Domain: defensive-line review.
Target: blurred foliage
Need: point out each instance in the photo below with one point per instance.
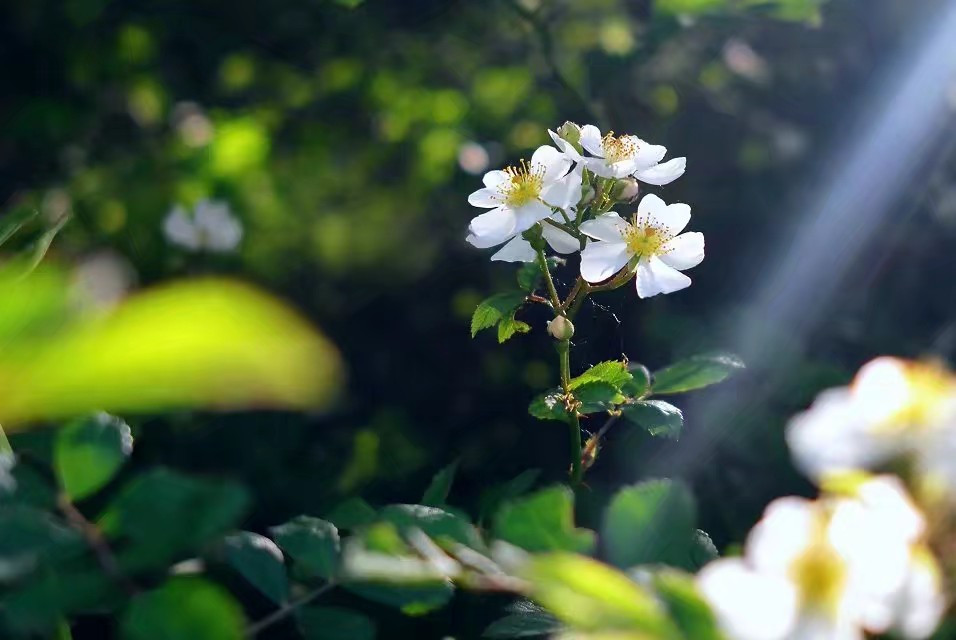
(346, 135)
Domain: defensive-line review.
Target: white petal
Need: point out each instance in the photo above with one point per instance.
(622, 168)
(566, 147)
(920, 603)
(226, 237)
(591, 139)
(485, 198)
(672, 218)
(600, 167)
(493, 179)
(491, 228)
(786, 529)
(555, 163)
(647, 154)
(748, 605)
(653, 277)
(559, 240)
(527, 215)
(662, 174)
(601, 260)
(609, 227)
(684, 251)
(179, 229)
(517, 250)
(564, 193)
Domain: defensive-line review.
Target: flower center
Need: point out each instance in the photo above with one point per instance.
(619, 148)
(644, 240)
(926, 402)
(820, 575)
(524, 184)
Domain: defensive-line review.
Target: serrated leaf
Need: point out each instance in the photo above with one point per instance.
(311, 542)
(183, 608)
(596, 397)
(657, 417)
(437, 492)
(591, 596)
(260, 561)
(88, 452)
(611, 372)
(543, 521)
(509, 326)
(549, 406)
(639, 384)
(493, 310)
(650, 522)
(335, 623)
(695, 372)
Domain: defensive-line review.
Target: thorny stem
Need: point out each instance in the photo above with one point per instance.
(95, 540)
(286, 610)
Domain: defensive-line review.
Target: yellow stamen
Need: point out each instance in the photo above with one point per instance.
(524, 184)
(618, 149)
(819, 572)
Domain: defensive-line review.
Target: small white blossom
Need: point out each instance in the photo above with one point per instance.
(212, 227)
(892, 409)
(652, 245)
(520, 197)
(621, 156)
(828, 570)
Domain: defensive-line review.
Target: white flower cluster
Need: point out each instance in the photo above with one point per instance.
(212, 227)
(563, 196)
(856, 560)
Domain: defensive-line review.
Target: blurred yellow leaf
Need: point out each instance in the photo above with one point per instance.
(202, 343)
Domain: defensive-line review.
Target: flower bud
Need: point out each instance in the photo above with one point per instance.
(626, 190)
(561, 328)
(570, 132)
(587, 195)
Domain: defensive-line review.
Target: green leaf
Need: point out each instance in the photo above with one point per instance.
(686, 607)
(640, 383)
(529, 276)
(352, 513)
(596, 397)
(612, 372)
(183, 608)
(543, 521)
(88, 452)
(702, 550)
(148, 509)
(208, 343)
(519, 485)
(311, 542)
(657, 417)
(493, 310)
(412, 600)
(526, 620)
(591, 596)
(15, 220)
(695, 372)
(260, 562)
(440, 525)
(29, 535)
(335, 623)
(549, 406)
(437, 492)
(509, 326)
(650, 522)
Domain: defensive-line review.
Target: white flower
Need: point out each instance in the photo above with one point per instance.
(650, 245)
(212, 227)
(828, 570)
(520, 197)
(621, 156)
(892, 409)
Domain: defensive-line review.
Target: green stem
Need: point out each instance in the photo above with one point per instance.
(287, 610)
(567, 229)
(574, 427)
(546, 272)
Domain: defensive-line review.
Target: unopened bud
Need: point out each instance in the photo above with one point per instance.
(561, 328)
(626, 190)
(587, 195)
(570, 132)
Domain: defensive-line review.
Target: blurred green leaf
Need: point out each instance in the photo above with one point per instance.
(335, 623)
(543, 521)
(676, 590)
(526, 620)
(695, 372)
(639, 384)
(201, 343)
(702, 550)
(437, 492)
(351, 514)
(143, 512)
(591, 596)
(650, 522)
(493, 310)
(657, 417)
(412, 600)
(260, 562)
(183, 608)
(88, 452)
(29, 535)
(15, 220)
(497, 494)
(529, 276)
(311, 542)
(438, 524)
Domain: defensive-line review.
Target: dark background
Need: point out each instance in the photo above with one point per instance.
(334, 134)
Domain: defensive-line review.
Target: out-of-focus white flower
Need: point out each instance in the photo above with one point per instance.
(893, 408)
(473, 158)
(522, 196)
(621, 156)
(650, 245)
(828, 570)
(212, 227)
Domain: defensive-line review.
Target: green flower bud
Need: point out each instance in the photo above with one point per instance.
(533, 236)
(587, 195)
(571, 132)
(561, 328)
(626, 190)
